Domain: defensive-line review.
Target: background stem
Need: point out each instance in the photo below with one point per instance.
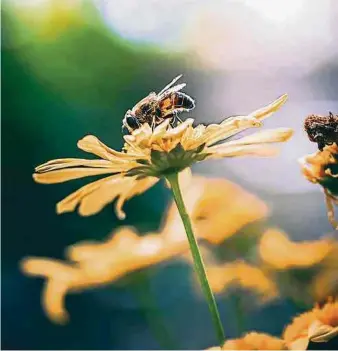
(198, 261)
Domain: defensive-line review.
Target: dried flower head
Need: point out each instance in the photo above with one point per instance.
(317, 325)
(253, 341)
(322, 130)
(279, 251)
(151, 154)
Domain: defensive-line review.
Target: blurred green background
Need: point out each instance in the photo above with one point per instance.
(71, 68)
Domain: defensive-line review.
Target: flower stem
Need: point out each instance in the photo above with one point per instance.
(198, 261)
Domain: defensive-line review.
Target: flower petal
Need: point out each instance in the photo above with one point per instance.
(262, 137)
(234, 125)
(64, 175)
(71, 162)
(236, 151)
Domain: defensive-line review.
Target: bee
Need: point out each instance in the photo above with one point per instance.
(155, 108)
(322, 130)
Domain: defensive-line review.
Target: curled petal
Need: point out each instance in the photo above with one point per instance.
(268, 110)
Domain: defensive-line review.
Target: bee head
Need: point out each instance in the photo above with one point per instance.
(130, 122)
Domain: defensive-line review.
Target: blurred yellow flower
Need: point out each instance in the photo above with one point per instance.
(151, 154)
(321, 168)
(317, 325)
(218, 209)
(93, 264)
(253, 341)
(243, 275)
(277, 250)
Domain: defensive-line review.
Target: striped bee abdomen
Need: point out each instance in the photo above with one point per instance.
(184, 101)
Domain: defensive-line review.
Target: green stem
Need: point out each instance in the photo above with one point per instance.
(198, 261)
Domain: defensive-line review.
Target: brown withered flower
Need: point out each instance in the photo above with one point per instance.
(321, 167)
(317, 325)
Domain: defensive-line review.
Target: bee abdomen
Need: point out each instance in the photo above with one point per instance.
(183, 101)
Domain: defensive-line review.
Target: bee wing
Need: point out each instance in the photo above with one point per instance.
(172, 90)
(170, 84)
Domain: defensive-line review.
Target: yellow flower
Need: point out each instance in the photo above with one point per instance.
(278, 251)
(94, 264)
(218, 209)
(318, 325)
(243, 275)
(321, 168)
(151, 154)
(253, 341)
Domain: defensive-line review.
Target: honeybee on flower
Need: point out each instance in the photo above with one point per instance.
(155, 108)
(150, 154)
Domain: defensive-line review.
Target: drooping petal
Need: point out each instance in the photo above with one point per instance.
(93, 197)
(64, 175)
(69, 203)
(59, 279)
(135, 188)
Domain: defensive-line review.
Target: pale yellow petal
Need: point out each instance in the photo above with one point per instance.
(64, 175)
(92, 144)
(229, 127)
(71, 162)
(234, 125)
(242, 150)
(262, 137)
(69, 203)
(268, 110)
